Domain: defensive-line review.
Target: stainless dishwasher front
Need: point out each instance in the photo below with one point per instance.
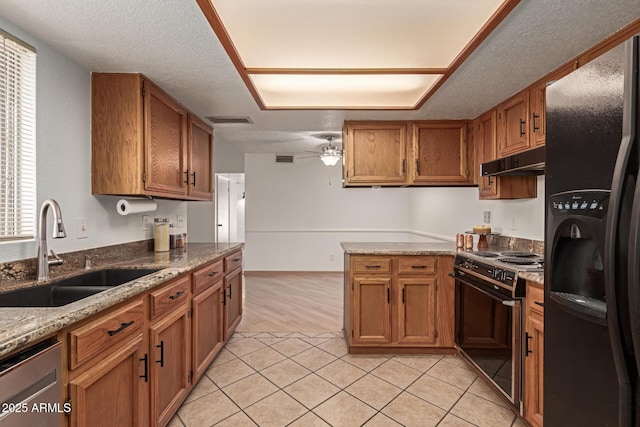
(31, 387)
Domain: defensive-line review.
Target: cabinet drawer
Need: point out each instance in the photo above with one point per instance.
(103, 333)
(207, 276)
(417, 265)
(170, 296)
(535, 297)
(371, 264)
(233, 261)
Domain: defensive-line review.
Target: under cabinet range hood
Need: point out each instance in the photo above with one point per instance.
(530, 162)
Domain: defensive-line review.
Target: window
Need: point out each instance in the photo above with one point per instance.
(17, 139)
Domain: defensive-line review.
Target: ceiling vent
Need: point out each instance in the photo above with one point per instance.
(285, 158)
(230, 120)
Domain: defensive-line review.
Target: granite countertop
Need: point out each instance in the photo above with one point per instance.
(398, 248)
(533, 277)
(20, 326)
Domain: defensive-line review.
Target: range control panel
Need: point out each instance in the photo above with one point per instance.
(592, 203)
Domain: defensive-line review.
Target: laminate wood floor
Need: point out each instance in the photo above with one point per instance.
(292, 302)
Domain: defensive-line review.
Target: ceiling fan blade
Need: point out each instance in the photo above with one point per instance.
(309, 151)
(307, 157)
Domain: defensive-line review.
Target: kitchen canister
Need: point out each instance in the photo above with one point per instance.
(460, 241)
(161, 234)
(468, 242)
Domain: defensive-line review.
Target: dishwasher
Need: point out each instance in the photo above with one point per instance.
(31, 387)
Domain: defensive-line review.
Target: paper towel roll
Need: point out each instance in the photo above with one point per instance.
(126, 207)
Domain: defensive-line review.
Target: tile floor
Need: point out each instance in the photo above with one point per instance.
(308, 379)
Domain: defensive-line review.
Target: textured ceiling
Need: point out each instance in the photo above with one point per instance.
(171, 42)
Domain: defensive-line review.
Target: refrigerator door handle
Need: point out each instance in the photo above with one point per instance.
(620, 175)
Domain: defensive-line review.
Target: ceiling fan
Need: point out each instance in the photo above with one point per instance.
(330, 154)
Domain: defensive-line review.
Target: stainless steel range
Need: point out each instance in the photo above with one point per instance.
(489, 315)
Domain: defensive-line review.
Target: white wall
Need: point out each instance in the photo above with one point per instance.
(63, 159)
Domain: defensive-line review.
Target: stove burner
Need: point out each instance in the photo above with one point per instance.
(519, 261)
(486, 254)
(519, 254)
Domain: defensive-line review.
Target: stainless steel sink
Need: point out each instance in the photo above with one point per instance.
(65, 291)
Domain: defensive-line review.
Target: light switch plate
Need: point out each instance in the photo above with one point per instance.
(146, 223)
(82, 228)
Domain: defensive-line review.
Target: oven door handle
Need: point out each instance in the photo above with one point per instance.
(509, 303)
(503, 299)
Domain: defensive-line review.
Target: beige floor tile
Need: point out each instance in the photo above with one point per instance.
(435, 391)
(480, 389)
(452, 421)
(518, 423)
(314, 358)
(309, 420)
(452, 374)
(230, 372)
(396, 373)
(456, 360)
(270, 341)
(311, 390)
(344, 410)
(310, 334)
(249, 390)
(297, 335)
(245, 334)
(410, 411)
(330, 335)
(335, 346)
(481, 412)
(315, 341)
(207, 410)
(381, 420)
(277, 410)
(244, 346)
(223, 357)
(280, 334)
(373, 391)
(291, 346)
(340, 373)
(284, 373)
(238, 420)
(421, 363)
(261, 335)
(175, 422)
(203, 387)
(364, 362)
(262, 358)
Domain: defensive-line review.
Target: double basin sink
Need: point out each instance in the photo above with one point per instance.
(66, 291)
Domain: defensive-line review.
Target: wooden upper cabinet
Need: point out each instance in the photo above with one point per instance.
(513, 125)
(485, 139)
(440, 153)
(537, 115)
(143, 141)
(375, 153)
(200, 158)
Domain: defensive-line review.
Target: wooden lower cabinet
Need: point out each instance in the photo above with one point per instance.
(207, 329)
(534, 357)
(114, 391)
(232, 302)
(411, 306)
(170, 364)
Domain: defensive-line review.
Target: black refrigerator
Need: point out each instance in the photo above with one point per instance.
(592, 244)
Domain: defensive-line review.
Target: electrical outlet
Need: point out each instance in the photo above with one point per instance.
(146, 223)
(82, 229)
(332, 257)
(513, 224)
(487, 217)
(180, 221)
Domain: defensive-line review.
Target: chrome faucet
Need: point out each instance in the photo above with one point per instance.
(58, 232)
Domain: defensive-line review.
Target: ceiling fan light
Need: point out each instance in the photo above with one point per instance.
(329, 159)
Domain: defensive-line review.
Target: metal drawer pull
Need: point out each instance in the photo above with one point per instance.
(526, 344)
(229, 291)
(236, 259)
(194, 178)
(122, 327)
(177, 295)
(186, 177)
(213, 274)
(419, 266)
(224, 296)
(388, 295)
(372, 266)
(403, 295)
(539, 303)
(522, 131)
(161, 347)
(145, 359)
(534, 116)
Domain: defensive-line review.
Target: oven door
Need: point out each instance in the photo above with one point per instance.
(488, 328)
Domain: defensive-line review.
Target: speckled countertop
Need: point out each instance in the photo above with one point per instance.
(420, 248)
(408, 248)
(21, 326)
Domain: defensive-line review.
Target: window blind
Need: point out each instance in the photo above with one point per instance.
(17, 139)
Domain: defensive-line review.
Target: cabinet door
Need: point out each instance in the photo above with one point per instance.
(232, 302)
(375, 153)
(164, 143)
(417, 311)
(487, 324)
(170, 364)
(371, 308)
(537, 116)
(207, 328)
(200, 159)
(114, 392)
(513, 127)
(440, 153)
(485, 134)
(533, 370)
